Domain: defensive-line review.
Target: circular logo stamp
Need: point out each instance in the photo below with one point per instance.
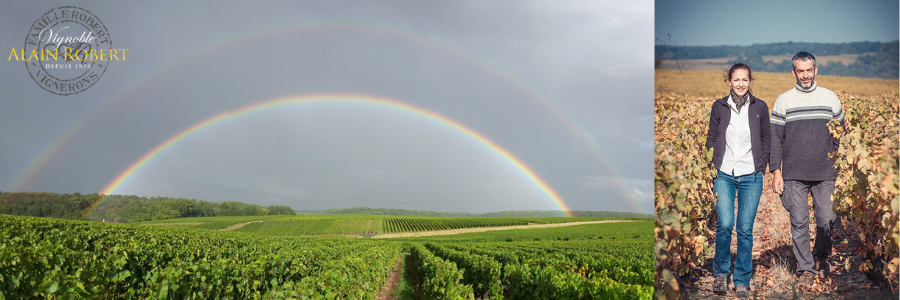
(67, 50)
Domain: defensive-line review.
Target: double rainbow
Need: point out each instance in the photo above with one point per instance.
(339, 98)
(42, 159)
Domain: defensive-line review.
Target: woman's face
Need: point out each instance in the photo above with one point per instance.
(740, 81)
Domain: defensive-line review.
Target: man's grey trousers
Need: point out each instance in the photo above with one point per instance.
(794, 198)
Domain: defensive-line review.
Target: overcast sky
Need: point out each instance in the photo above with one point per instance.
(715, 23)
(566, 87)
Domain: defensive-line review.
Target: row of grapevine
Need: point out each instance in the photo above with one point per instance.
(293, 226)
(393, 225)
(481, 272)
(290, 227)
(631, 265)
(212, 223)
(609, 233)
(625, 264)
(683, 199)
(73, 259)
(353, 277)
(440, 278)
(530, 278)
(352, 226)
(867, 188)
(527, 282)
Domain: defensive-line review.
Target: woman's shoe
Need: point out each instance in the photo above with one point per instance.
(720, 286)
(742, 292)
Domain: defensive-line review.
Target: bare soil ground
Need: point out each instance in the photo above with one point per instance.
(483, 229)
(774, 264)
(393, 279)
(238, 226)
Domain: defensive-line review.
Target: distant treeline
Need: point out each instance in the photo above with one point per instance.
(129, 208)
(882, 62)
(510, 213)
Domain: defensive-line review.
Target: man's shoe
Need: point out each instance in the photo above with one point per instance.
(742, 292)
(822, 266)
(720, 286)
(806, 278)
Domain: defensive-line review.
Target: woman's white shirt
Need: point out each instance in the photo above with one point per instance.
(738, 159)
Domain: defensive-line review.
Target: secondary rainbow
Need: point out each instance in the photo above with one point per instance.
(343, 98)
(40, 162)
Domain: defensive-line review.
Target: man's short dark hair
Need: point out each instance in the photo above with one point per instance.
(804, 56)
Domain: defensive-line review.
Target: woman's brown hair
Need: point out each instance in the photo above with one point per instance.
(736, 67)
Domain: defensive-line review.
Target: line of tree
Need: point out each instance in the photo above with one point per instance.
(877, 59)
(673, 51)
(130, 208)
(509, 213)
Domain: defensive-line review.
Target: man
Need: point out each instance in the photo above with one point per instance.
(799, 160)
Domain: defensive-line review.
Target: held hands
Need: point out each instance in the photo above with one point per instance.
(778, 183)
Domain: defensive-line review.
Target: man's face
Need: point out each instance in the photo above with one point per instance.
(805, 72)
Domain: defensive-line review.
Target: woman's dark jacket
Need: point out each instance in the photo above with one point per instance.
(760, 133)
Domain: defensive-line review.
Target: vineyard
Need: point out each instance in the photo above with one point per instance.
(356, 224)
(208, 222)
(74, 259)
(866, 190)
(77, 259)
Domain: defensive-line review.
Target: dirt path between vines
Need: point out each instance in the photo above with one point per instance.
(483, 229)
(392, 281)
(238, 226)
(774, 264)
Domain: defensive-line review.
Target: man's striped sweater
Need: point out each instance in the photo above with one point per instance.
(800, 138)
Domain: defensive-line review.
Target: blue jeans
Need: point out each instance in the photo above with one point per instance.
(747, 189)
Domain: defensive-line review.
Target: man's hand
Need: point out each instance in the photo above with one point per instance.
(778, 183)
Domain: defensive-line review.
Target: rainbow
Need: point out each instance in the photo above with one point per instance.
(42, 160)
(337, 98)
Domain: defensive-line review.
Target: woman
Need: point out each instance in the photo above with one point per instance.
(740, 137)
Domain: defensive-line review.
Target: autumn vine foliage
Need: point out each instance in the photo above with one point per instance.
(867, 185)
(866, 189)
(684, 199)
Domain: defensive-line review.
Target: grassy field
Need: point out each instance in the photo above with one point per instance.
(766, 86)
